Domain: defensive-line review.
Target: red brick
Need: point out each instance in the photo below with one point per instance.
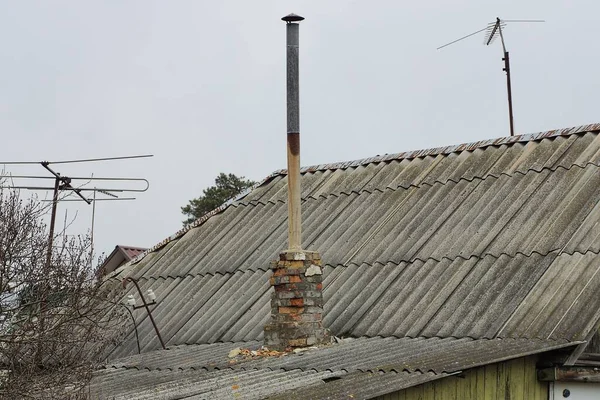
(296, 317)
(295, 279)
(280, 272)
(297, 302)
(319, 286)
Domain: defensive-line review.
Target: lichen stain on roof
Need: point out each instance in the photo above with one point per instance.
(364, 368)
(494, 240)
(378, 159)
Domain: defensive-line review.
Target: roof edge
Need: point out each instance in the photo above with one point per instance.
(197, 223)
(434, 151)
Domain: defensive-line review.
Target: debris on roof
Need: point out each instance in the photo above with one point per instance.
(365, 367)
(244, 354)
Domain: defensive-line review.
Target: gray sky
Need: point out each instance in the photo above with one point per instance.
(201, 85)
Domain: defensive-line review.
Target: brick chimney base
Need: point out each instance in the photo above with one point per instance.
(297, 302)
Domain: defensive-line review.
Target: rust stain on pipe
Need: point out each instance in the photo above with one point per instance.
(293, 140)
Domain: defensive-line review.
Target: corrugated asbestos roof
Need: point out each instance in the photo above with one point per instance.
(496, 239)
(364, 367)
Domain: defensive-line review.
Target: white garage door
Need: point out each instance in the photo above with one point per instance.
(575, 391)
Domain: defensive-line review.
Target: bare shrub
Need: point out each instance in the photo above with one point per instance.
(56, 318)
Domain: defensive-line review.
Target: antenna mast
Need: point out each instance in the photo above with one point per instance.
(61, 183)
(493, 30)
(496, 29)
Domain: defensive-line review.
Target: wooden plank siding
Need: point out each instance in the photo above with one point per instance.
(510, 380)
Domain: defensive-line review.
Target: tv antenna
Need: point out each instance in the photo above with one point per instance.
(492, 31)
(63, 183)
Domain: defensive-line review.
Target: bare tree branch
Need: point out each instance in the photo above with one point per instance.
(56, 321)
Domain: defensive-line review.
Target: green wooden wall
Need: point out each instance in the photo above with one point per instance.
(512, 380)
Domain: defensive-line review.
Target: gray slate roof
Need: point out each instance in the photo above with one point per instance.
(364, 367)
(495, 239)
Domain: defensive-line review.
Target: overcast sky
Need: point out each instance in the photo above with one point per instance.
(201, 85)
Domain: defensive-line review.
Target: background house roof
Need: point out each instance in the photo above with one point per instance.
(496, 239)
(119, 256)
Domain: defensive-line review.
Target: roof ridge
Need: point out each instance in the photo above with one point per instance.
(469, 146)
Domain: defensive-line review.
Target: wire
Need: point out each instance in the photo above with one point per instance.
(464, 37)
(491, 26)
(76, 161)
(523, 20)
(77, 178)
(99, 159)
(19, 162)
(93, 200)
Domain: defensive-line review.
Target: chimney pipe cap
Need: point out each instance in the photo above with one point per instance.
(292, 18)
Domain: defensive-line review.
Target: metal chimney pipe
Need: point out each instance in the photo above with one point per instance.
(293, 133)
